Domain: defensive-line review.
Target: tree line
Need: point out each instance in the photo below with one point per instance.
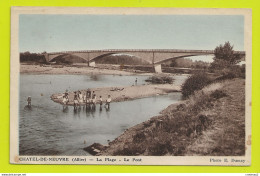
(32, 57)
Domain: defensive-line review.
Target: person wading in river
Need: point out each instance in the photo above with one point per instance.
(29, 101)
(76, 102)
(107, 105)
(94, 101)
(87, 103)
(80, 98)
(88, 93)
(100, 102)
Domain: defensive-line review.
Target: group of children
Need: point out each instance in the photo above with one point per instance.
(89, 99)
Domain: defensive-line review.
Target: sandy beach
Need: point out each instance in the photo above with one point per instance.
(76, 69)
(123, 93)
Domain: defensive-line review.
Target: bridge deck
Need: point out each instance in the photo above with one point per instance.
(143, 50)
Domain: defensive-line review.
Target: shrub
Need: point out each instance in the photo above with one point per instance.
(159, 149)
(160, 79)
(130, 150)
(193, 83)
(235, 71)
(226, 76)
(219, 64)
(139, 137)
(217, 94)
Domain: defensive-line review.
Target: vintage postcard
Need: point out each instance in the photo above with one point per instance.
(130, 86)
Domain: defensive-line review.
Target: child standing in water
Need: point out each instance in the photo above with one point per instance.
(76, 102)
(29, 101)
(87, 103)
(64, 100)
(94, 100)
(84, 98)
(80, 98)
(100, 101)
(88, 93)
(108, 101)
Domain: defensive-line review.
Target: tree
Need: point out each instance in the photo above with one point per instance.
(174, 63)
(225, 56)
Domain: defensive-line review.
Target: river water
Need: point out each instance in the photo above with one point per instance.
(47, 129)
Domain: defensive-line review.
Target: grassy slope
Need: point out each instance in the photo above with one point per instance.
(180, 131)
(227, 135)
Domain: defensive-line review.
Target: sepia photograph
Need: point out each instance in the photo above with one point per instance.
(130, 86)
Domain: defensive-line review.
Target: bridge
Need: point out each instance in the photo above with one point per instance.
(152, 56)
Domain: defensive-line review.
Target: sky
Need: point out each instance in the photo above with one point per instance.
(53, 33)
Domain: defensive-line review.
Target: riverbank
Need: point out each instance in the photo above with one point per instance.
(123, 93)
(77, 69)
(209, 123)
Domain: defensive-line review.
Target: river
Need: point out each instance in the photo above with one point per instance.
(48, 130)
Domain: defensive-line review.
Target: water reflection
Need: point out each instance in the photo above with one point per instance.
(28, 108)
(95, 77)
(88, 110)
(65, 109)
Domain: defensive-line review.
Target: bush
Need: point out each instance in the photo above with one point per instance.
(159, 149)
(226, 76)
(217, 94)
(219, 64)
(139, 137)
(130, 150)
(235, 71)
(160, 79)
(193, 83)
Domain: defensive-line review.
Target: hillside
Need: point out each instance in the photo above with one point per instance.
(209, 123)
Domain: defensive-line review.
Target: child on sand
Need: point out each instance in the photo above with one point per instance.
(64, 100)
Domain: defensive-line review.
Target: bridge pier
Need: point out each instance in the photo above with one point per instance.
(92, 64)
(46, 55)
(157, 68)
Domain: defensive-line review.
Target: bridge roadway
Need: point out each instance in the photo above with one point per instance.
(152, 56)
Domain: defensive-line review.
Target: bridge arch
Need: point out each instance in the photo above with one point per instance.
(64, 55)
(178, 57)
(103, 55)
